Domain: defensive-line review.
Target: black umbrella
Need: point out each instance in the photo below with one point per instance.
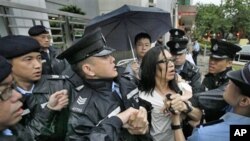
(121, 25)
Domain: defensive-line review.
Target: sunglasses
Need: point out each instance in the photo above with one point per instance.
(6, 93)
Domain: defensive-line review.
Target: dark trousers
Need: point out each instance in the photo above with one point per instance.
(195, 55)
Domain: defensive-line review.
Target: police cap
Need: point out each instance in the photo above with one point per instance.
(17, 45)
(5, 68)
(91, 44)
(223, 49)
(176, 33)
(241, 78)
(178, 46)
(37, 30)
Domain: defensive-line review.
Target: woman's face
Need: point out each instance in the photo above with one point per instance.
(165, 69)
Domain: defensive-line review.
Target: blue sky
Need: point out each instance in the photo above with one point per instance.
(217, 2)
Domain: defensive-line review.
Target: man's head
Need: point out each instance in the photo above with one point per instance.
(23, 53)
(90, 57)
(10, 105)
(237, 92)
(222, 54)
(142, 44)
(178, 48)
(41, 34)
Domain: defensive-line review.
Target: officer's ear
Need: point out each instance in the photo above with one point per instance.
(245, 101)
(229, 63)
(88, 70)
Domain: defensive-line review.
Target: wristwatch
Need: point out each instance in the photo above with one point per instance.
(189, 107)
(175, 127)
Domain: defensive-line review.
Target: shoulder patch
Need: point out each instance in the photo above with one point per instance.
(79, 104)
(213, 122)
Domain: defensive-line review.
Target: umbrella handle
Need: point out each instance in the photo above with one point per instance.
(131, 47)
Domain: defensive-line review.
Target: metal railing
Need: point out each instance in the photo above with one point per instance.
(65, 27)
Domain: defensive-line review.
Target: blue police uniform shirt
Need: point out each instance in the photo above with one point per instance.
(116, 88)
(196, 46)
(219, 131)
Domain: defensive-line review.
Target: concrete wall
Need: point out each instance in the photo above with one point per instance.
(25, 22)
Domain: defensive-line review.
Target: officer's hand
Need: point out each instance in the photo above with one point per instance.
(138, 123)
(177, 104)
(135, 67)
(58, 100)
(125, 115)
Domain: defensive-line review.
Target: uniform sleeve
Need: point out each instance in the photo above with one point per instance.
(211, 100)
(40, 124)
(196, 83)
(82, 128)
(194, 136)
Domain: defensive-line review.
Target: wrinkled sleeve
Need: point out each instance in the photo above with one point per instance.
(81, 128)
(196, 83)
(212, 99)
(40, 124)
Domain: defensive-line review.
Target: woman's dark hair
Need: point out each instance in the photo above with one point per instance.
(148, 71)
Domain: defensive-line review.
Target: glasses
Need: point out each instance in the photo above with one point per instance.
(6, 93)
(166, 60)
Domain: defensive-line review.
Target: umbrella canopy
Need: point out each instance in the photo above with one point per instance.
(121, 25)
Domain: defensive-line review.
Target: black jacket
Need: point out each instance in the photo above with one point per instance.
(94, 106)
(54, 65)
(211, 100)
(43, 123)
(191, 74)
(20, 133)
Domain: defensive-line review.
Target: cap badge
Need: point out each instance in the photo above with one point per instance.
(215, 47)
(177, 45)
(176, 33)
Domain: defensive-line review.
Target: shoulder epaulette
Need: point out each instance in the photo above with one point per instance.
(212, 122)
(56, 77)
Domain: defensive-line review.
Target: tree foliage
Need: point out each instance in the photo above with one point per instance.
(72, 9)
(232, 16)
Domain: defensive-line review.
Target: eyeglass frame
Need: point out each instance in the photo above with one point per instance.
(6, 93)
(166, 60)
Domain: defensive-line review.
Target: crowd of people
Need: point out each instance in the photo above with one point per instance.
(80, 93)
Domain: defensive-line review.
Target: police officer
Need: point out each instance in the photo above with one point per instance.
(187, 70)
(43, 96)
(220, 62)
(238, 97)
(51, 65)
(103, 94)
(10, 111)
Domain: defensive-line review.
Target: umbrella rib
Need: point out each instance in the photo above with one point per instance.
(114, 28)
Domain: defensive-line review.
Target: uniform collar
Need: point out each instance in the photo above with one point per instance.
(99, 84)
(235, 118)
(24, 92)
(179, 69)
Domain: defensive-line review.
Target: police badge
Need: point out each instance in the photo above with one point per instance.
(177, 45)
(176, 33)
(215, 47)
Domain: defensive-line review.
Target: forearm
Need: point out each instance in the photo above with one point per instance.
(178, 133)
(195, 114)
